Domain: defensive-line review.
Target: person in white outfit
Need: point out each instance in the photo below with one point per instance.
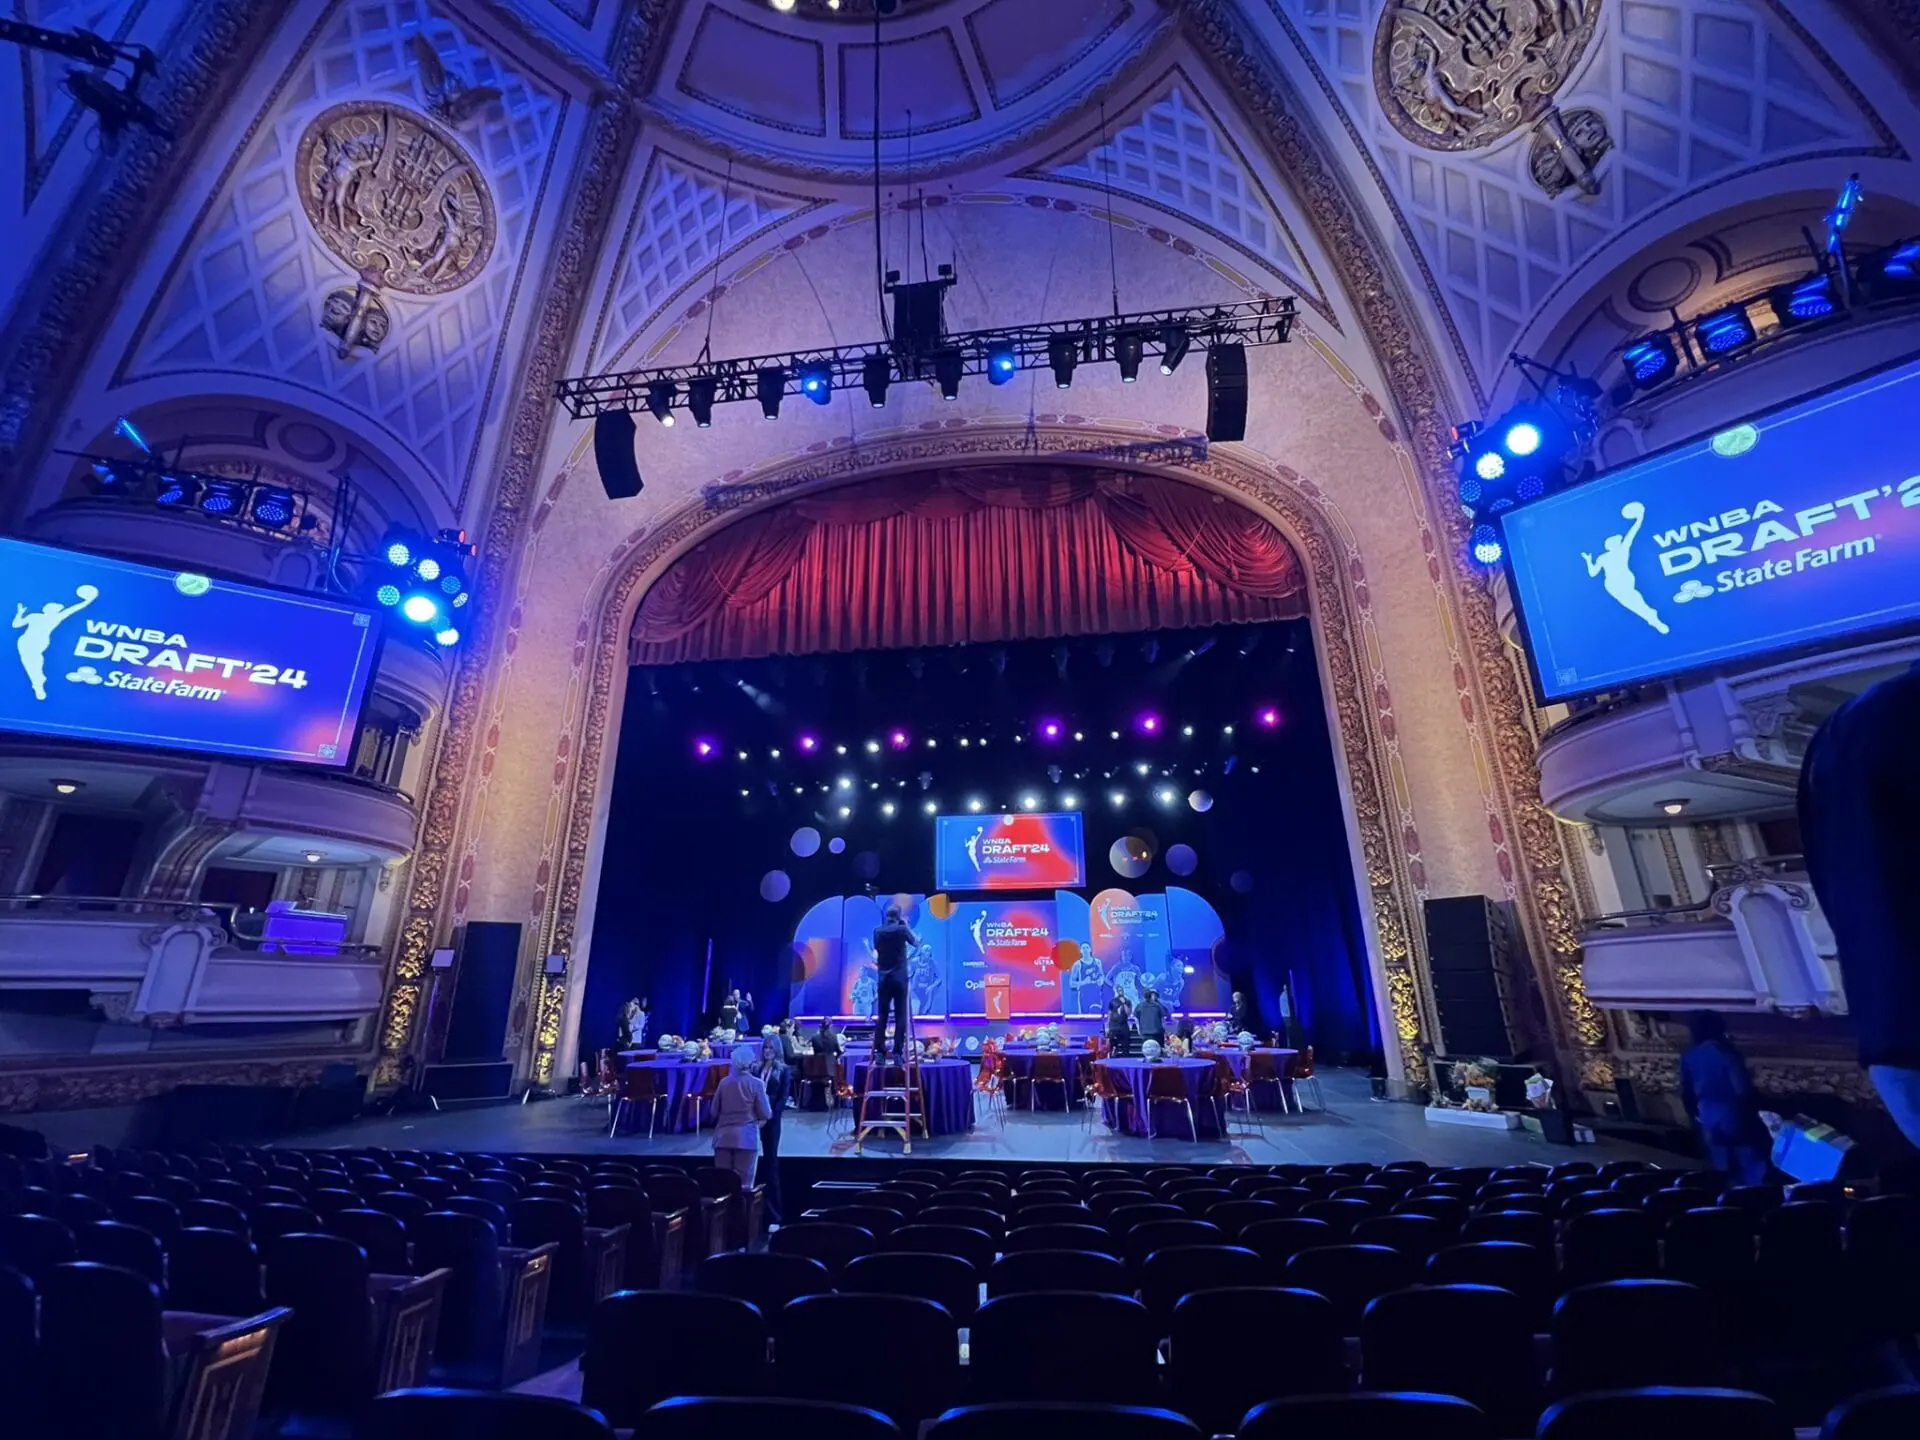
(740, 1108)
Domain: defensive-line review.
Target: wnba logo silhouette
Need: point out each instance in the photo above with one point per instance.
(973, 846)
(1613, 567)
(37, 627)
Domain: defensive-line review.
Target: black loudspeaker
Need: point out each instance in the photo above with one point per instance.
(1468, 955)
(1227, 392)
(483, 991)
(613, 453)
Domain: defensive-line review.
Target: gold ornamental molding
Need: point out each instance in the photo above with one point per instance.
(1278, 494)
(78, 1087)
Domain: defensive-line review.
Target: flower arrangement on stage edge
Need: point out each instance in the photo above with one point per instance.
(1476, 1078)
(1176, 1047)
(935, 1048)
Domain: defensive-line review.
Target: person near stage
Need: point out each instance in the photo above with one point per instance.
(826, 1040)
(1119, 1025)
(790, 1041)
(1719, 1096)
(736, 1011)
(1242, 1019)
(1183, 1026)
(777, 1074)
(1859, 788)
(632, 1025)
(1151, 1017)
(740, 1108)
(891, 942)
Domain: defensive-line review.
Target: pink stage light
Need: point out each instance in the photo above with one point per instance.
(898, 739)
(809, 743)
(1150, 723)
(1268, 718)
(1050, 729)
(706, 749)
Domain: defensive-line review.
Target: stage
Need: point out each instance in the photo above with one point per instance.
(1352, 1127)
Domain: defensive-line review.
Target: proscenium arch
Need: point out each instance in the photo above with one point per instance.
(1339, 613)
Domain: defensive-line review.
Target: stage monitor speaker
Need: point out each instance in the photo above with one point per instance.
(1227, 392)
(483, 991)
(614, 455)
(1468, 948)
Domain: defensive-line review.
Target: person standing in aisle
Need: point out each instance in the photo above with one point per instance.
(740, 1108)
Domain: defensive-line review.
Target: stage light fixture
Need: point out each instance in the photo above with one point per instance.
(388, 594)
(816, 383)
(1079, 735)
(451, 584)
(1070, 801)
(932, 807)
(128, 431)
(770, 385)
(876, 373)
(773, 754)
(1720, 332)
(222, 497)
(1127, 348)
(427, 568)
(809, 743)
(1650, 361)
(1174, 344)
(399, 553)
(947, 367)
(1470, 490)
(704, 748)
(739, 754)
(1062, 356)
(975, 806)
(1890, 272)
(897, 739)
(886, 808)
(700, 392)
(1804, 301)
(1149, 723)
(272, 506)
(660, 395)
(1002, 364)
(1166, 797)
(845, 782)
(1268, 718)
(460, 599)
(839, 749)
(1490, 466)
(420, 609)
(1049, 729)
(175, 490)
(845, 811)
(1487, 548)
(873, 747)
(1029, 802)
(1118, 797)
(1522, 438)
(1531, 486)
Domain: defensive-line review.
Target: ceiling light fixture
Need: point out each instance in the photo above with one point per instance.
(68, 787)
(1673, 807)
(313, 857)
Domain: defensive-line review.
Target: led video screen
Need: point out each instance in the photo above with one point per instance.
(1018, 851)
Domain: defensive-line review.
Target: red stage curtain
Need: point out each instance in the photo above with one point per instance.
(979, 554)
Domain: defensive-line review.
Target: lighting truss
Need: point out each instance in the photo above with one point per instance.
(1094, 341)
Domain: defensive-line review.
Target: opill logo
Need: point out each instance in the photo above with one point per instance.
(37, 629)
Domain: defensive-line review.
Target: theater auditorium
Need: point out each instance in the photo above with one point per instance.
(908, 719)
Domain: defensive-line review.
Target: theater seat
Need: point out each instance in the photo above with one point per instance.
(646, 1345)
(1063, 1345)
(477, 1415)
(1368, 1415)
(1665, 1414)
(1058, 1421)
(1234, 1349)
(908, 1364)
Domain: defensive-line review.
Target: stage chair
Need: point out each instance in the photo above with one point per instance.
(833, 1245)
(767, 1282)
(1048, 1070)
(1024, 1271)
(1051, 1421)
(639, 1086)
(1142, 1240)
(1108, 1087)
(949, 1280)
(1170, 1275)
(1608, 1245)
(1369, 1415)
(1351, 1276)
(35, 1244)
(1063, 1345)
(1024, 1237)
(1626, 1334)
(646, 1345)
(908, 1365)
(1300, 1073)
(1665, 1413)
(1471, 1341)
(411, 1414)
(816, 1071)
(1416, 1236)
(703, 1418)
(110, 1242)
(1169, 1087)
(1520, 1269)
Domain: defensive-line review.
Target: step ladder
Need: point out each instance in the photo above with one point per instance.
(907, 1095)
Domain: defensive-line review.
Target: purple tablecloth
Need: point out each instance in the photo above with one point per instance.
(1266, 1094)
(1020, 1060)
(1169, 1119)
(946, 1088)
(677, 1079)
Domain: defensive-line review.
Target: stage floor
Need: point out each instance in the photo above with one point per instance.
(1352, 1127)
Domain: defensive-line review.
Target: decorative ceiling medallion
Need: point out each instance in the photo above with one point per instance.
(396, 197)
(1459, 74)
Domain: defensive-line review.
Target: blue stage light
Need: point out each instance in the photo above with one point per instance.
(272, 506)
(1490, 466)
(1471, 490)
(428, 568)
(221, 497)
(448, 637)
(451, 584)
(816, 383)
(1650, 360)
(1804, 300)
(174, 490)
(129, 432)
(388, 594)
(1725, 330)
(420, 609)
(1002, 365)
(1531, 487)
(399, 553)
(1487, 547)
(1522, 438)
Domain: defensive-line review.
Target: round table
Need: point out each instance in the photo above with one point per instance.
(1266, 1094)
(1136, 1074)
(946, 1090)
(677, 1079)
(1020, 1060)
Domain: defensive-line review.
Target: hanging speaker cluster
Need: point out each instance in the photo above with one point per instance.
(613, 452)
(1227, 392)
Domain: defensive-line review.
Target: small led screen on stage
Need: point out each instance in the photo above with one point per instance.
(1008, 852)
(133, 654)
(1797, 526)
(1004, 937)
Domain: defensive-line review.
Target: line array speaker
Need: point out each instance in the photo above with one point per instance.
(1227, 392)
(613, 453)
(1467, 956)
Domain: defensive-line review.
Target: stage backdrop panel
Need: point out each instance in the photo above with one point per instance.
(1009, 852)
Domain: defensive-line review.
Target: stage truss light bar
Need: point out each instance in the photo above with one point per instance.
(767, 378)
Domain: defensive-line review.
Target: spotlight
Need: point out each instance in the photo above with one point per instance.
(1049, 729)
(1186, 730)
(839, 749)
(932, 807)
(1118, 797)
(1149, 723)
(1029, 802)
(873, 747)
(1650, 361)
(420, 609)
(876, 373)
(1062, 355)
(1143, 768)
(1173, 347)
(1487, 548)
(660, 395)
(845, 782)
(897, 739)
(1891, 272)
(1673, 807)
(770, 385)
(845, 811)
(272, 506)
(1724, 331)
(399, 553)
(705, 749)
(947, 365)
(809, 743)
(1490, 466)
(1002, 364)
(388, 594)
(1268, 718)
(816, 383)
(129, 432)
(1166, 797)
(739, 754)
(975, 805)
(222, 497)
(1070, 801)
(700, 392)
(773, 754)
(1804, 301)
(1522, 438)
(313, 857)
(1126, 350)
(427, 568)
(886, 808)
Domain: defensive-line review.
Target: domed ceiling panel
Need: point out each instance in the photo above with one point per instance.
(795, 89)
(369, 243)
(1634, 106)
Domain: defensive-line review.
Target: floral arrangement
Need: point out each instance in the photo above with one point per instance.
(1476, 1078)
(935, 1048)
(706, 1050)
(1176, 1047)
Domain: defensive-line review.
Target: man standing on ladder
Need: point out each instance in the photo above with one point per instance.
(891, 944)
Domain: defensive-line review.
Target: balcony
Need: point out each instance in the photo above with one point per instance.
(306, 803)
(1757, 942)
(109, 525)
(159, 964)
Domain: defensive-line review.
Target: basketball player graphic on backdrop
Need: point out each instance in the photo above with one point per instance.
(37, 634)
(973, 847)
(1614, 567)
